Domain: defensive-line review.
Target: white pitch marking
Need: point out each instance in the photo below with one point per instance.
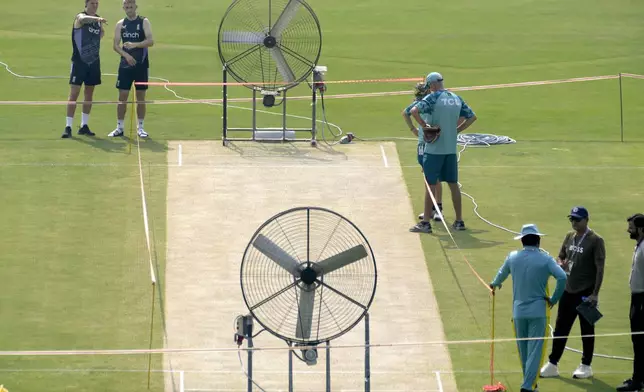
(438, 380)
(384, 156)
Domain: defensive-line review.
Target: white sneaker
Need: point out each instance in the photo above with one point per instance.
(421, 216)
(583, 371)
(116, 132)
(142, 133)
(549, 370)
(436, 216)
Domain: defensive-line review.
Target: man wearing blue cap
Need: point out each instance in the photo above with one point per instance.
(450, 115)
(582, 256)
(530, 268)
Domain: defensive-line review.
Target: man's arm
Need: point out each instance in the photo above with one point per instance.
(147, 42)
(502, 275)
(600, 258)
(409, 123)
(561, 257)
(82, 19)
(426, 105)
(407, 118)
(117, 44)
(117, 39)
(560, 275)
(465, 124)
(416, 114)
(467, 114)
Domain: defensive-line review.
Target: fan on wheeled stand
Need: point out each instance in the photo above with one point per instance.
(308, 276)
(270, 46)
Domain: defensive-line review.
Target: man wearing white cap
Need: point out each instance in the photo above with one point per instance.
(531, 268)
(450, 115)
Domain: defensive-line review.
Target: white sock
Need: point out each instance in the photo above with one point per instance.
(141, 124)
(119, 124)
(84, 119)
(69, 121)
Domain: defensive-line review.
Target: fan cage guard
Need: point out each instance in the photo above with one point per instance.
(248, 72)
(357, 280)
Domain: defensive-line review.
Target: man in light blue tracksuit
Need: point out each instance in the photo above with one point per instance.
(531, 268)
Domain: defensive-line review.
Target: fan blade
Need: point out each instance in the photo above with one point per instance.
(285, 18)
(277, 254)
(243, 37)
(305, 315)
(282, 66)
(343, 259)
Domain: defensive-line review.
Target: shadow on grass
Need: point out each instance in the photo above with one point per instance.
(593, 384)
(107, 145)
(460, 288)
(466, 240)
(278, 149)
(120, 145)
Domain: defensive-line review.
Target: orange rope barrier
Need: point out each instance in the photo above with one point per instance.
(201, 84)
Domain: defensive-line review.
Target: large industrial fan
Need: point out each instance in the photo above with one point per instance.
(308, 276)
(270, 46)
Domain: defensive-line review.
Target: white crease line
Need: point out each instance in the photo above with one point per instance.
(179, 159)
(438, 380)
(144, 206)
(384, 156)
(181, 379)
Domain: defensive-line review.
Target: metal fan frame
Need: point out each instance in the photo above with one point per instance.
(253, 86)
(270, 134)
(358, 319)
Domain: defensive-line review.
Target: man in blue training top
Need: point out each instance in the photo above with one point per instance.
(135, 31)
(420, 91)
(87, 32)
(449, 112)
(531, 268)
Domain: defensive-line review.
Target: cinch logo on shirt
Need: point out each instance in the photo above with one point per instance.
(93, 30)
(577, 249)
(130, 35)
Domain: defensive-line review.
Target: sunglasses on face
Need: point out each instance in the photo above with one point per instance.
(573, 219)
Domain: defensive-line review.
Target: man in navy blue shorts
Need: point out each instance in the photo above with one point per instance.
(87, 33)
(449, 112)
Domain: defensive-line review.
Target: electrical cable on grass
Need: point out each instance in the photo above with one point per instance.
(335, 136)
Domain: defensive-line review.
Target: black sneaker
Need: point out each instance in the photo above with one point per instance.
(421, 227)
(67, 133)
(84, 130)
(630, 386)
(458, 225)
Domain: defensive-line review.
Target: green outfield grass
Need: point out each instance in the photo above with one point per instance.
(73, 257)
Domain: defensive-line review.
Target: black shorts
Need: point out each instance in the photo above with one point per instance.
(132, 74)
(81, 72)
